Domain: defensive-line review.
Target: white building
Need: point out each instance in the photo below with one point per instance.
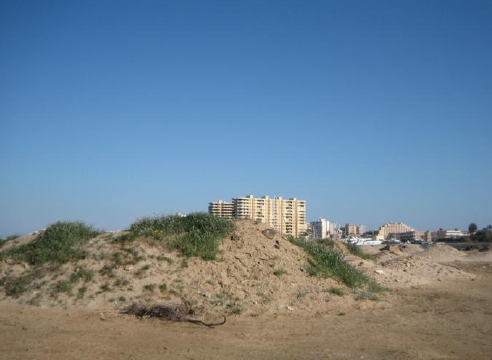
(448, 234)
(320, 229)
(323, 229)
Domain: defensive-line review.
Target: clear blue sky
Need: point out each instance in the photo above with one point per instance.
(371, 111)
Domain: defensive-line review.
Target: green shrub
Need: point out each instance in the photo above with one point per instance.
(264, 298)
(158, 227)
(16, 286)
(197, 234)
(107, 270)
(302, 293)
(279, 272)
(120, 282)
(198, 244)
(128, 237)
(336, 291)
(141, 272)
(134, 256)
(149, 287)
(356, 251)
(326, 261)
(64, 286)
(105, 287)
(366, 295)
(165, 258)
(3, 241)
(59, 243)
(235, 309)
(82, 274)
(81, 292)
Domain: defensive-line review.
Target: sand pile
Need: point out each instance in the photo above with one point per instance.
(400, 266)
(258, 271)
(388, 252)
(442, 252)
(483, 256)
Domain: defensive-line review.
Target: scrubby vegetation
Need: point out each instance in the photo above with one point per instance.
(70, 262)
(336, 291)
(59, 243)
(197, 234)
(16, 286)
(279, 272)
(484, 235)
(356, 251)
(3, 241)
(325, 261)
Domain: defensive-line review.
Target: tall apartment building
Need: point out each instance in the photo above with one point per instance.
(221, 209)
(285, 215)
(393, 228)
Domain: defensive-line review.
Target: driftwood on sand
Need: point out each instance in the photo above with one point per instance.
(179, 313)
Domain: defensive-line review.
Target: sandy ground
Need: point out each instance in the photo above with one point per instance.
(438, 306)
(451, 319)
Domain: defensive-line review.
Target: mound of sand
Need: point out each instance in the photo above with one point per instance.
(258, 271)
(442, 252)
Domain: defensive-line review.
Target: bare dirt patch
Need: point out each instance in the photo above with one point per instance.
(438, 306)
(451, 320)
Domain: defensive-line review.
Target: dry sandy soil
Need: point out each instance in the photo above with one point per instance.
(439, 306)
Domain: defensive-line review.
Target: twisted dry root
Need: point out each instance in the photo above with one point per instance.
(168, 312)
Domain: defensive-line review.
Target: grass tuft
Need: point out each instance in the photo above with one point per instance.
(279, 272)
(366, 295)
(3, 241)
(16, 286)
(325, 261)
(197, 234)
(356, 251)
(336, 291)
(58, 244)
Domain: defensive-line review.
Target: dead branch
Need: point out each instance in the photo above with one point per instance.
(167, 312)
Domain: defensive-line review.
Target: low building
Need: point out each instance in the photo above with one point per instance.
(352, 229)
(391, 229)
(411, 235)
(448, 234)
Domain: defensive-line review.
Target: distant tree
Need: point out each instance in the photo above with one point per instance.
(482, 236)
(472, 228)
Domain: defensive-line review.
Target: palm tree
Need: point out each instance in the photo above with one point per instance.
(472, 228)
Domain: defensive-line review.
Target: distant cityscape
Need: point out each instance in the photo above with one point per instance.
(285, 215)
(288, 216)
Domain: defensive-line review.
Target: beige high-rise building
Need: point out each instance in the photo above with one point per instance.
(285, 215)
(221, 209)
